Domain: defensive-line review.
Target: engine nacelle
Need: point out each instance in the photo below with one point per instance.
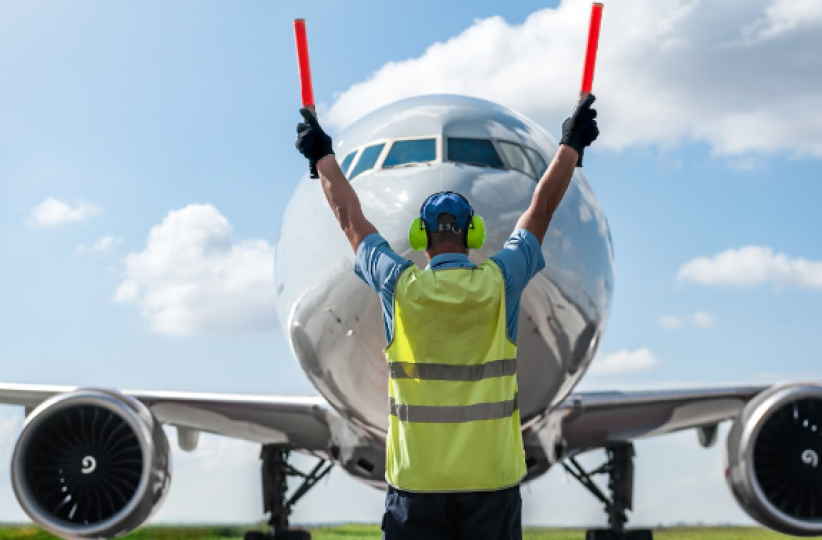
(773, 455)
(91, 464)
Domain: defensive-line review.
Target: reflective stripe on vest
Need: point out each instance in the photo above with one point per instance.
(454, 420)
(454, 414)
(452, 372)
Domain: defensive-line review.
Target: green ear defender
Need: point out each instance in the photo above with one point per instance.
(476, 233)
(418, 236)
(475, 239)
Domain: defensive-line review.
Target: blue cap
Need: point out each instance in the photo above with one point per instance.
(446, 202)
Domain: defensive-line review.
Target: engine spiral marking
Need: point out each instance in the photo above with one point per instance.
(810, 457)
(90, 464)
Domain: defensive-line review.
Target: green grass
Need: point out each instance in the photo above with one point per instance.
(372, 532)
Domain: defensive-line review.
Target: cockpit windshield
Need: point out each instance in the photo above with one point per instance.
(367, 160)
(407, 152)
(410, 152)
(516, 157)
(479, 152)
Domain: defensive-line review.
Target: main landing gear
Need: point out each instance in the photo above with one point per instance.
(620, 471)
(276, 470)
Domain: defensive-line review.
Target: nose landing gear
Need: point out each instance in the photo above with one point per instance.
(620, 471)
(275, 470)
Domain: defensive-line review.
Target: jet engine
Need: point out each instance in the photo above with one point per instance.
(91, 464)
(774, 456)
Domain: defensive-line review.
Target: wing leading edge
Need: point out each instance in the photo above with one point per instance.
(599, 419)
(304, 422)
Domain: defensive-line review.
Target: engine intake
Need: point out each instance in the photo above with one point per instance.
(773, 454)
(91, 464)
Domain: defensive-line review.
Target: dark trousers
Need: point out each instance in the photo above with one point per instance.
(483, 515)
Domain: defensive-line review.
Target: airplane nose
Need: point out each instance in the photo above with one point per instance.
(392, 199)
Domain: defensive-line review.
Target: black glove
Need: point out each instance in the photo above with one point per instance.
(312, 141)
(580, 129)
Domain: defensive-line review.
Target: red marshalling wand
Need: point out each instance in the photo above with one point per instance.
(304, 69)
(591, 51)
(590, 57)
(303, 65)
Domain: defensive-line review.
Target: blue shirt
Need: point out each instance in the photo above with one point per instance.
(520, 259)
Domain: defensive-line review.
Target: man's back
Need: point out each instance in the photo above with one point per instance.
(445, 305)
(454, 422)
(519, 261)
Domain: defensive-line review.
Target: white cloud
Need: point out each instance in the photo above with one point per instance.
(194, 277)
(103, 245)
(704, 319)
(780, 18)
(52, 212)
(624, 361)
(670, 322)
(665, 74)
(751, 266)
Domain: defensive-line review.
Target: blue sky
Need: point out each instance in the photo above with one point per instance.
(113, 115)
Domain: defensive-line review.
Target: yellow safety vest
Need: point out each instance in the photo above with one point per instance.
(454, 420)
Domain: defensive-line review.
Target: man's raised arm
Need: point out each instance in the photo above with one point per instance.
(578, 131)
(316, 146)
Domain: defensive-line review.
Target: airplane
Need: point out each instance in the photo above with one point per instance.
(94, 463)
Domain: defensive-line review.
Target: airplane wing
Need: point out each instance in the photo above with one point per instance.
(583, 421)
(599, 419)
(304, 422)
(772, 450)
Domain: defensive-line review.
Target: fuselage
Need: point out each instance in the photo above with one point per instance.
(334, 322)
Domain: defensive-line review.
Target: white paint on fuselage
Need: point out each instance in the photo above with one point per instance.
(334, 321)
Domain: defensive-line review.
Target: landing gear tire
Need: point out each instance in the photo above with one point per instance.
(620, 471)
(591, 534)
(275, 471)
(598, 534)
(291, 534)
(296, 535)
(606, 534)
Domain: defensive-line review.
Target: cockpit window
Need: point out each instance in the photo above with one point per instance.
(537, 160)
(516, 157)
(474, 152)
(367, 160)
(347, 161)
(409, 152)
